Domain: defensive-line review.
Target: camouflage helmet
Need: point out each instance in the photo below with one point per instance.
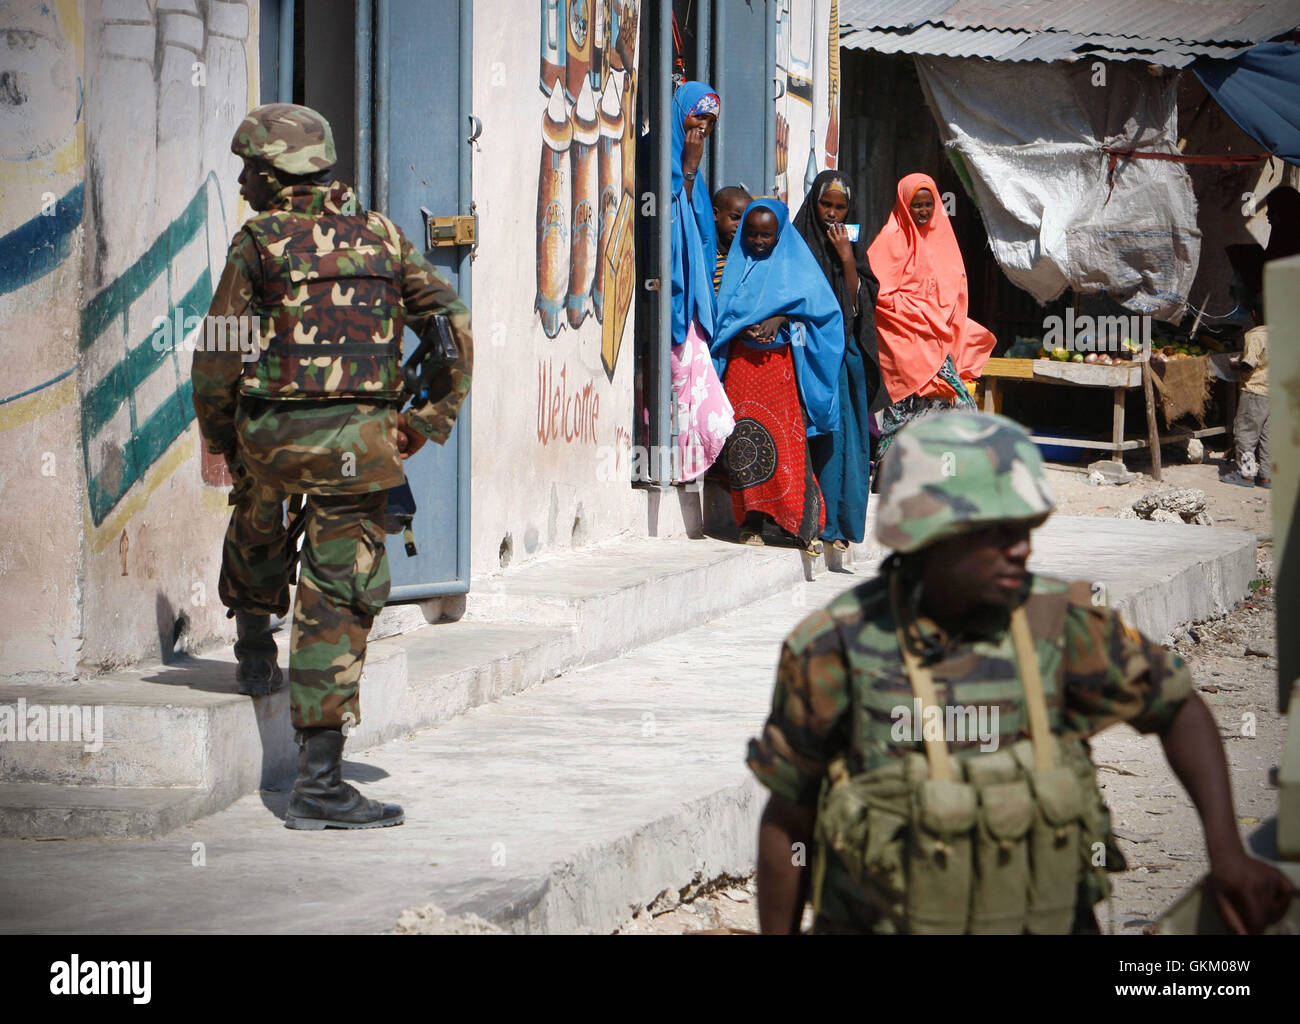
(293, 139)
(956, 472)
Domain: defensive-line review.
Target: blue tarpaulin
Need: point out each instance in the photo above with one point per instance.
(1260, 90)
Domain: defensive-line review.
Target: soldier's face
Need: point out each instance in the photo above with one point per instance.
(257, 186)
(964, 574)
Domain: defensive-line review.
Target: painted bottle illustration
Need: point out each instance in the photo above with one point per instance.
(554, 203)
(554, 52)
(611, 182)
(613, 57)
(833, 99)
(585, 178)
(578, 41)
(810, 175)
(600, 45)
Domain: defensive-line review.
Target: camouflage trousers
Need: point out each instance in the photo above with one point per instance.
(343, 583)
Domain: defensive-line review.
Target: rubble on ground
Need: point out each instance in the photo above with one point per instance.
(433, 920)
(1174, 505)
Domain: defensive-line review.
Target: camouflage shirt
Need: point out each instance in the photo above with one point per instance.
(1106, 672)
(304, 445)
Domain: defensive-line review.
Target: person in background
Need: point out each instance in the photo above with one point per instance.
(1250, 428)
(728, 207)
(929, 348)
(842, 460)
(705, 419)
(778, 346)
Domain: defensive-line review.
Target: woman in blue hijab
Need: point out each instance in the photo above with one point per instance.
(778, 345)
(704, 415)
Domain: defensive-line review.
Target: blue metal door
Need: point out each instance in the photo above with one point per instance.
(744, 72)
(421, 159)
(393, 78)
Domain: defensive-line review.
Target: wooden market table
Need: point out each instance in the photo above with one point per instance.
(1119, 379)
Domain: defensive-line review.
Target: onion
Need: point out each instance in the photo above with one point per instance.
(1091, 357)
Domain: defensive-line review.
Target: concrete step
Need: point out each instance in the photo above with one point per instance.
(182, 725)
(34, 810)
(625, 594)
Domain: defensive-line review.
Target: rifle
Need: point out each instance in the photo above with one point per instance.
(436, 352)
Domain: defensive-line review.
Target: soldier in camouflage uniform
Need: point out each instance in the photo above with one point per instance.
(314, 410)
(1011, 843)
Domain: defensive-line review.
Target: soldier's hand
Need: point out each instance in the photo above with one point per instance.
(409, 441)
(235, 465)
(1249, 893)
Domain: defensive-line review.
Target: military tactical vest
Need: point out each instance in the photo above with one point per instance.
(331, 304)
(983, 842)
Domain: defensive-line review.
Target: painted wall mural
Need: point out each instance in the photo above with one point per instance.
(586, 180)
(156, 186)
(807, 112)
(178, 270)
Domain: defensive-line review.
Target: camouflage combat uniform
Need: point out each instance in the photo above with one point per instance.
(291, 423)
(841, 674)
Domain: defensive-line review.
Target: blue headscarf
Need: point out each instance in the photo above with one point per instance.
(789, 283)
(694, 238)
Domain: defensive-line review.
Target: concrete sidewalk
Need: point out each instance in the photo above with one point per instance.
(557, 809)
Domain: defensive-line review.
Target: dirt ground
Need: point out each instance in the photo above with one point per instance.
(1229, 505)
(1234, 665)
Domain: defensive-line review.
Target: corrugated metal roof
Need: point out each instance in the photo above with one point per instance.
(1201, 21)
(1168, 32)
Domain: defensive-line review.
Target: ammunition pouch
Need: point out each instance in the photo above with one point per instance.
(1001, 849)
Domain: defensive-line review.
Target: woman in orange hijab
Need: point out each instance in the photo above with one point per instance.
(929, 348)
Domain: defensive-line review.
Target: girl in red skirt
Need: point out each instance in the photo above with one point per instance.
(778, 344)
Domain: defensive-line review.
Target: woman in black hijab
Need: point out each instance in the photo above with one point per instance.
(842, 460)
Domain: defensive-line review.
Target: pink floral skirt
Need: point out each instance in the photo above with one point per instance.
(704, 415)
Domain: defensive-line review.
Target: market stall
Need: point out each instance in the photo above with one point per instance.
(1121, 376)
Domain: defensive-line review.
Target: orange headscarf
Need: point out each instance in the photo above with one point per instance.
(921, 310)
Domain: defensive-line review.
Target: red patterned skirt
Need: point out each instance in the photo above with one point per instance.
(767, 455)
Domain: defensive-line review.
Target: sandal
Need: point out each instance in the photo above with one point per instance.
(752, 537)
(841, 544)
(814, 547)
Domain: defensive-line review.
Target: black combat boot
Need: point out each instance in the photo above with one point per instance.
(257, 673)
(320, 797)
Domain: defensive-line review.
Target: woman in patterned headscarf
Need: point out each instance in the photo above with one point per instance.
(929, 348)
(842, 460)
(705, 419)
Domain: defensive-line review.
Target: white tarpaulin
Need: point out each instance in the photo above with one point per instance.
(1031, 137)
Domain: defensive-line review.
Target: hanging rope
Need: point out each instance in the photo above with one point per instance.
(1218, 159)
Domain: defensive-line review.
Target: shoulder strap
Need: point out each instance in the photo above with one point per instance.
(922, 682)
(1040, 732)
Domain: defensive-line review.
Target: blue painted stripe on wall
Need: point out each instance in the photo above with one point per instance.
(44, 384)
(119, 295)
(104, 399)
(32, 250)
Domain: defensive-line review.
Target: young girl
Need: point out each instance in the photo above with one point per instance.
(778, 344)
(842, 460)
